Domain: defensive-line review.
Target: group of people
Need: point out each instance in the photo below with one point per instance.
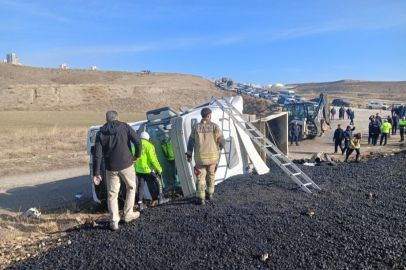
(113, 143)
(377, 127)
(341, 114)
(385, 127)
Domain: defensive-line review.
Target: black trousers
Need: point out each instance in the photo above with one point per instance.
(394, 129)
(349, 152)
(352, 122)
(370, 135)
(154, 186)
(402, 134)
(375, 139)
(384, 136)
(338, 144)
(295, 138)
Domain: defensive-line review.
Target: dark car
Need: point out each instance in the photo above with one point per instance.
(281, 100)
(341, 102)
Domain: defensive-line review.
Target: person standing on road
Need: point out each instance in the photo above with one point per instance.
(378, 118)
(148, 170)
(352, 117)
(333, 112)
(386, 127)
(355, 144)
(395, 121)
(338, 139)
(391, 123)
(376, 131)
(295, 131)
(348, 113)
(113, 142)
(205, 140)
(402, 128)
(341, 113)
(371, 132)
(347, 135)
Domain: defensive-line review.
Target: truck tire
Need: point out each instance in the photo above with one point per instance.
(384, 108)
(370, 107)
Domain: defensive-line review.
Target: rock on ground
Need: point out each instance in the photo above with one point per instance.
(357, 221)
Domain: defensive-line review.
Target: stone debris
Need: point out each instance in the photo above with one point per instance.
(31, 213)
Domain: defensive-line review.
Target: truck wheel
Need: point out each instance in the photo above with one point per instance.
(384, 108)
(370, 107)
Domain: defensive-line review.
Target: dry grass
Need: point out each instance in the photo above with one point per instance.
(42, 140)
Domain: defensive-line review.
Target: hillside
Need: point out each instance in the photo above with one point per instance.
(44, 89)
(358, 92)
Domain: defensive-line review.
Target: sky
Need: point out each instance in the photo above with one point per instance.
(255, 41)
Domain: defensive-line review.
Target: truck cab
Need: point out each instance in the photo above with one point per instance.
(167, 126)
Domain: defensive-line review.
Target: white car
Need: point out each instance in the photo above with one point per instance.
(273, 98)
(289, 100)
(377, 105)
(254, 94)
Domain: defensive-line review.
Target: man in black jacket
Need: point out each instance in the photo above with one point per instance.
(295, 133)
(395, 120)
(338, 138)
(113, 142)
(333, 112)
(370, 131)
(376, 130)
(347, 138)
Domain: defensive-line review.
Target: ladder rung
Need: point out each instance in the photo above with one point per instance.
(307, 184)
(276, 155)
(286, 164)
(296, 173)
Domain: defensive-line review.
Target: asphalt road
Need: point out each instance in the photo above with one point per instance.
(45, 190)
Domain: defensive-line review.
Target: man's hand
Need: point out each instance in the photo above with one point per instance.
(188, 157)
(135, 159)
(97, 179)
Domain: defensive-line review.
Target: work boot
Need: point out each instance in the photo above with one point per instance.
(131, 216)
(113, 226)
(357, 159)
(209, 197)
(162, 199)
(200, 201)
(141, 206)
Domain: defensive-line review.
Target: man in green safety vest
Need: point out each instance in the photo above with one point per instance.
(402, 128)
(167, 150)
(386, 127)
(144, 168)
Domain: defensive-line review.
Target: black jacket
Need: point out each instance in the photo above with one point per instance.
(371, 127)
(395, 120)
(348, 134)
(295, 129)
(113, 142)
(338, 134)
(376, 129)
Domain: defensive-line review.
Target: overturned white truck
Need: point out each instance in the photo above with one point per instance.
(166, 125)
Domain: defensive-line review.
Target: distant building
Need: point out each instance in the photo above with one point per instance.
(12, 59)
(4, 61)
(63, 66)
(93, 68)
(148, 72)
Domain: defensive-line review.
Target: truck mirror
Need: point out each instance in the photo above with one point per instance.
(165, 129)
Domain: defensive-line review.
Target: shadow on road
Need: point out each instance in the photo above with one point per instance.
(46, 197)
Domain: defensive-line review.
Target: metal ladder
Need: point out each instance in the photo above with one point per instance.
(277, 156)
